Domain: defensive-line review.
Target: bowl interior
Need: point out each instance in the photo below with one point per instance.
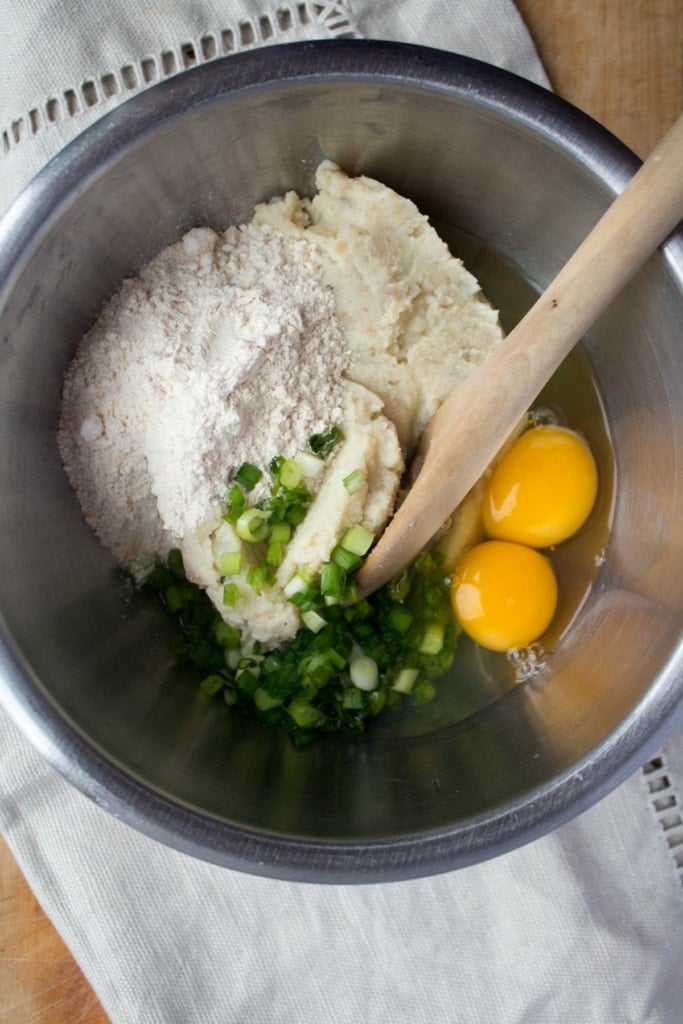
(517, 198)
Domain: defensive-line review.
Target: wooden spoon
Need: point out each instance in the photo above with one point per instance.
(472, 424)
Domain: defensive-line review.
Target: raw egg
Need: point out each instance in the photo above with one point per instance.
(504, 595)
(543, 489)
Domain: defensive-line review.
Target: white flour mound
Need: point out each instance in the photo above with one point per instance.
(225, 349)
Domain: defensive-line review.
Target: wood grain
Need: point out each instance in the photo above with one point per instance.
(39, 979)
(620, 61)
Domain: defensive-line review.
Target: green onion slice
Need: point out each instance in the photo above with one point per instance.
(405, 680)
(345, 559)
(248, 476)
(280, 532)
(310, 465)
(323, 444)
(364, 672)
(314, 621)
(290, 473)
(358, 540)
(252, 525)
(432, 640)
(257, 577)
(354, 481)
(230, 563)
(231, 594)
(275, 553)
(304, 714)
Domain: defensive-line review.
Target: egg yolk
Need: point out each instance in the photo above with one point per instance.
(542, 490)
(504, 595)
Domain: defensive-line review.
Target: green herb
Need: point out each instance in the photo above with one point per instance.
(322, 444)
(354, 481)
(290, 474)
(175, 563)
(248, 476)
(345, 559)
(230, 563)
(347, 665)
(231, 595)
(252, 525)
(257, 577)
(358, 540)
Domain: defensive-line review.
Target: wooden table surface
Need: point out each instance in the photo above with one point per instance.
(622, 62)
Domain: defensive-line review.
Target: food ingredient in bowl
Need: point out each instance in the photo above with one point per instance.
(539, 492)
(504, 595)
(414, 318)
(226, 348)
(542, 491)
(346, 310)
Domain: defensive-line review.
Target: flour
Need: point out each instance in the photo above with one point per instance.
(225, 349)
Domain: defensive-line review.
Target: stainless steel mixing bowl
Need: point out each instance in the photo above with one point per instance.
(85, 664)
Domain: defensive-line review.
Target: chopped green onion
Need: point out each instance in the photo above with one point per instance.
(376, 700)
(399, 586)
(335, 658)
(252, 525)
(357, 540)
(318, 669)
(247, 679)
(235, 496)
(352, 699)
(280, 532)
(400, 618)
(332, 582)
(353, 660)
(314, 621)
(211, 684)
(405, 680)
(236, 501)
(175, 563)
(432, 640)
(300, 583)
(354, 481)
(275, 553)
(257, 576)
(304, 714)
(248, 476)
(310, 465)
(230, 563)
(264, 701)
(323, 444)
(232, 658)
(225, 634)
(290, 474)
(295, 514)
(423, 692)
(345, 559)
(174, 598)
(364, 672)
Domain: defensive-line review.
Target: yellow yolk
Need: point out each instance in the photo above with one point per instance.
(504, 595)
(542, 490)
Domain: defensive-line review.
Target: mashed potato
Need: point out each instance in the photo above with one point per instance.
(416, 325)
(371, 448)
(415, 320)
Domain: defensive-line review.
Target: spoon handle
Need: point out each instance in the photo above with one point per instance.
(474, 421)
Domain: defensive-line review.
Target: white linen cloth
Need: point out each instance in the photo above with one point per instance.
(584, 926)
